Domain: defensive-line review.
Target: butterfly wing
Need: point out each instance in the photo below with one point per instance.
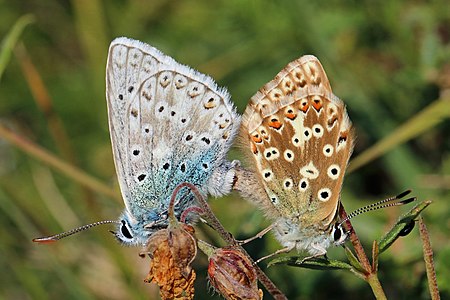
(168, 124)
(300, 138)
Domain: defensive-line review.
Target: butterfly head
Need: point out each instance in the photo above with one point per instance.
(133, 232)
(338, 234)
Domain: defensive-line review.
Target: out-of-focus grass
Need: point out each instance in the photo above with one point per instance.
(389, 63)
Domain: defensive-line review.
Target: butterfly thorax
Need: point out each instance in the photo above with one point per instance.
(313, 238)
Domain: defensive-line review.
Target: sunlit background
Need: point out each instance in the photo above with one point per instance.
(389, 61)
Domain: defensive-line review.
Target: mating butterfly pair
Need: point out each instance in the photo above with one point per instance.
(170, 124)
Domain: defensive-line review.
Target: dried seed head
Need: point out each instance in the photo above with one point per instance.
(232, 274)
(172, 251)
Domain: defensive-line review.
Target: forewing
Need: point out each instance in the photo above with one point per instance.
(300, 137)
(168, 123)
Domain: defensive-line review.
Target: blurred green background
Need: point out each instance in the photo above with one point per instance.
(389, 61)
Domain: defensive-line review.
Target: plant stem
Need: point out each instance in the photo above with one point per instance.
(228, 237)
(428, 257)
(56, 163)
(377, 289)
(370, 275)
(359, 250)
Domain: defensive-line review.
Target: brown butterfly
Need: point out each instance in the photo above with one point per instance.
(300, 139)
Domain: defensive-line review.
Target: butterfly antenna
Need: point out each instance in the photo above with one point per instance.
(388, 202)
(57, 237)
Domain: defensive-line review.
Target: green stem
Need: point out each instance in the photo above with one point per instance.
(370, 275)
(377, 289)
(56, 163)
(428, 257)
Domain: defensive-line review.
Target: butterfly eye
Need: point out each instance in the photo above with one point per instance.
(124, 230)
(339, 235)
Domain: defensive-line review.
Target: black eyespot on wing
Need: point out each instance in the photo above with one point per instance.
(141, 177)
(342, 139)
(324, 195)
(206, 140)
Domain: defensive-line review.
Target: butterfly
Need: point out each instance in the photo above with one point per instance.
(299, 138)
(169, 124)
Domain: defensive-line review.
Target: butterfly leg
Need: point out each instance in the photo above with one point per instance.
(279, 251)
(321, 252)
(257, 236)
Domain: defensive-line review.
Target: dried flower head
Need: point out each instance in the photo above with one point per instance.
(172, 251)
(233, 275)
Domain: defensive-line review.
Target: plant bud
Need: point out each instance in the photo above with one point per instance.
(233, 275)
(172, 251)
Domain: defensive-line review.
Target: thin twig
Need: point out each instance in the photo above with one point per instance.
(56, 163)
(44, 102)
(359, 250)
(371, 276)
(228, 237)
(428, 257)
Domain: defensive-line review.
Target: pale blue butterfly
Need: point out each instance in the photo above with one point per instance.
(169, 124)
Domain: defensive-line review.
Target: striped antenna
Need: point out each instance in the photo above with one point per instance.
(57, 237)
(388, 202)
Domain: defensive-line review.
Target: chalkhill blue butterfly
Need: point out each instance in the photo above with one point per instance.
(299, 138)
(168, 124)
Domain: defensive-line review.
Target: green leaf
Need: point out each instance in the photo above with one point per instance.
(316, 263)
(402, 224)
(10, 40)
(354, 261)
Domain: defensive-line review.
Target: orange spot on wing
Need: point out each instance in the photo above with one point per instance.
(275, 124)
(317, 104)
(304, 107)
(256, 138)
(291, 116)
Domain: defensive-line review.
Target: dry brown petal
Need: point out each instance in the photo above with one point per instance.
(232, 274)
(172, 251)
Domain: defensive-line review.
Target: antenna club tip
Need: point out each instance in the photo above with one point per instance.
(44, 240)
(401, 195)
(409, 200)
